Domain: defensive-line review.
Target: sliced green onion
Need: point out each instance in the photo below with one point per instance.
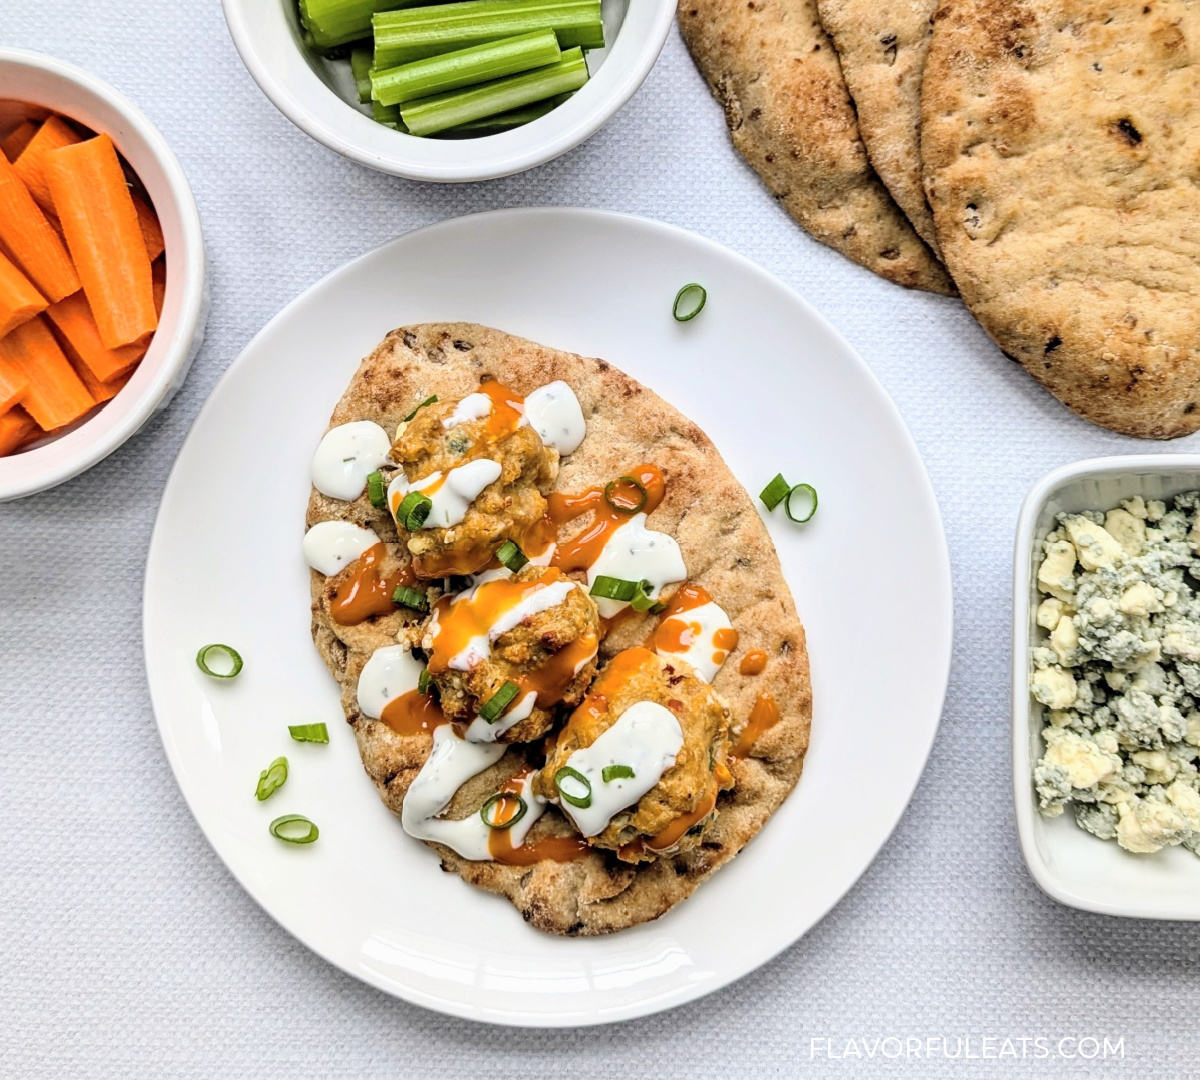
(512, 556)
(465, 67)
(614, 588)
(271, 779)
(234, 656)
(428, 401)
(361, 58)
(808, 490)
(427, 116)
(423, 681)
(689, 302)
(487, 810)
(775, 492)
(317, 733)
(567, 773)
(409, 597)
(643, 601)
(285, 829)
(414, 510)
(643, 494)
(616, 772)
(494, 707)
(376, 489)
(404, 36)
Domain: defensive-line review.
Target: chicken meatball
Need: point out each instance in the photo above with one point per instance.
(536, 629)
(486, 472)
(639, 764)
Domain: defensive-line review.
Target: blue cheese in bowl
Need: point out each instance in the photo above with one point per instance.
(1117, 669)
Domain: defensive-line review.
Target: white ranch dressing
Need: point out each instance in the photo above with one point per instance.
(635, 553)
(348, 454)
(389, 673)
(331, 546)
(472, 407)
(451, 763)
(451, 497)
(647, 738)
(704, 622)
(554, 413)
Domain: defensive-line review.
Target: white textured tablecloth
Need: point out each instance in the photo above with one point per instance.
(126, 949)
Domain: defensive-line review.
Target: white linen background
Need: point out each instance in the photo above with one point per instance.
(127, 949)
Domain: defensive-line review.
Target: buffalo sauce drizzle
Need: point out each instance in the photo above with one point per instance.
(508, 410)
(413, 713)
(367, 591)
(753, 663)
(548, 848)
(763, 716)
(581, 551)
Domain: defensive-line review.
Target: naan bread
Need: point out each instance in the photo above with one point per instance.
(772, 67)
(882, 45)
(1061, 147)
(727, 551)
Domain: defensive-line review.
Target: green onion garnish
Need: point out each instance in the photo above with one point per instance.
(285, 829)
(567, 773)
(494, 707)
(616, 772)
(808, 490)
(614, 588)
(409, 597)
(234, 656)
(643, 601)
(643, 494)
(511, 556)
(775, 492)
(413, 510)
(271, 779)
(428, 401)
(689, 302)
(318, 733)
(487, 810)
(423, 681)
(376, 489)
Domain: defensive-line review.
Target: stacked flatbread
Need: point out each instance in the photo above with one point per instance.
(1047, 150)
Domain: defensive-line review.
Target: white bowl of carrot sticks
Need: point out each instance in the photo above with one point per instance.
(449, 91)
(102, 298)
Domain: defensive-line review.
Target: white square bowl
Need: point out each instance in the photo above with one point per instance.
(1068, 863)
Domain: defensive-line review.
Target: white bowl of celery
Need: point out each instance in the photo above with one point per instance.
(449, 91)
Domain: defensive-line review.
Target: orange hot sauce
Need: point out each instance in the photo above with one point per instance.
(367, 592)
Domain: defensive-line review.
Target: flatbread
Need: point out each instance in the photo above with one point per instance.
(727, 551)
(1061, 146)
(882, 45)
(776, 73)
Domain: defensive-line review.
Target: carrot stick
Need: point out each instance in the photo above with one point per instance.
(151, 230)
(100, 391)
(19, 300)
(54, 134)
(31, 241)
(73, 319)
(101, 226)
(16, 140)
(56, 395)
(16, 426)
(158, 273)
(13, 387)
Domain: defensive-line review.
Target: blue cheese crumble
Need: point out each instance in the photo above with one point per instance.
(1117, 667)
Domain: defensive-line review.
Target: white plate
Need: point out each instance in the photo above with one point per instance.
(775, 387)
(1068, 863)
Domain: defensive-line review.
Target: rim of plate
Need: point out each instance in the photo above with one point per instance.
(289, 82)
(686, 993)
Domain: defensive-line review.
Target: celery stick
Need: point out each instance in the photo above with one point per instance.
(360, 65)
(404, 36)
(433, 114)
(336, 22)
(388, 115)
(483, 63)
(493, 125)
